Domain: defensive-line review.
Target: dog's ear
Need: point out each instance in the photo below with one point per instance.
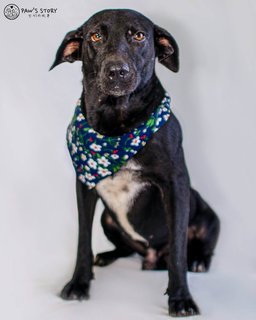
(70, 49)
(167, 49)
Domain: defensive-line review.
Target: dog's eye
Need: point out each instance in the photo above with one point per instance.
(139, 36)
(96, 37)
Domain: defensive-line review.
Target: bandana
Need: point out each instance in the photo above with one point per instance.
(96, 156)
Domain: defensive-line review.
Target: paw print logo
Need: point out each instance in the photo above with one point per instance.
(11, 11)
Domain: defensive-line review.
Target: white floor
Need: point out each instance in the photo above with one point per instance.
(122, 291)
(39, 259)
(213, 95)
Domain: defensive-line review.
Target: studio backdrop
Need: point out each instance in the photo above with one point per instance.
(213, 97)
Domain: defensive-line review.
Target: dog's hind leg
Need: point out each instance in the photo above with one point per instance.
(203, 232)
(112, 232)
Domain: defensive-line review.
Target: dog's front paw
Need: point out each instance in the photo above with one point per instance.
(75, 290)
(182, 308)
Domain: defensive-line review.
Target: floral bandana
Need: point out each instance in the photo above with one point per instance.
(96, 156)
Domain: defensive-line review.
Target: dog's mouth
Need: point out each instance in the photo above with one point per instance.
(117, 90)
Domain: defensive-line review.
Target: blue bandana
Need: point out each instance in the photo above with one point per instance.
(96, 156)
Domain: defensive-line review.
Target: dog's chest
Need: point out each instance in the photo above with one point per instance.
(119, 193)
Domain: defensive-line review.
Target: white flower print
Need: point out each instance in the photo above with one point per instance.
(103, 172)
(90, 185)
(103, 161)
(69, 137)
(81, 177)
(125, 157)
(95, 147)
(74, 149)
(83, 156)
(80, 117)
(89, 176)
(135, 142)
(92, 163)
(114, 156)
(166, 117)
(158, 120)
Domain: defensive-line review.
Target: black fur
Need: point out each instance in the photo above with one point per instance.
(120, 90)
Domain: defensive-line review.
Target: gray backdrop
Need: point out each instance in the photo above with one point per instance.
(213, 96)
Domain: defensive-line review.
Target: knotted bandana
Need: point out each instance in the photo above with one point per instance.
(96, 156)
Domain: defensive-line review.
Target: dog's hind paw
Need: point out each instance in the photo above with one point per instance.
(75, 290)
(105, 258)
(199, 264)
(182, 308)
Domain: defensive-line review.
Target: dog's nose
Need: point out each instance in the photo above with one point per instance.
(117, 71)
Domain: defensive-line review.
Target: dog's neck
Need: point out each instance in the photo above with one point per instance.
(116, 115)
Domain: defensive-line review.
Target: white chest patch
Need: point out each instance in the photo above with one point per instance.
(120, 191)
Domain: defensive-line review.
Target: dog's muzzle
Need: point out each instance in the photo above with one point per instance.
(117, 78)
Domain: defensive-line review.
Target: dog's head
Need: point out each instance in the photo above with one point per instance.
(118, 50)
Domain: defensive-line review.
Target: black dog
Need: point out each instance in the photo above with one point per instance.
(150, 207)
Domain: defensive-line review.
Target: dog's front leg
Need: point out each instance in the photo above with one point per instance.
(78, 287)
(176, 197)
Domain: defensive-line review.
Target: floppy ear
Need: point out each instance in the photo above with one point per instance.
(70, 49)
(167, 49)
